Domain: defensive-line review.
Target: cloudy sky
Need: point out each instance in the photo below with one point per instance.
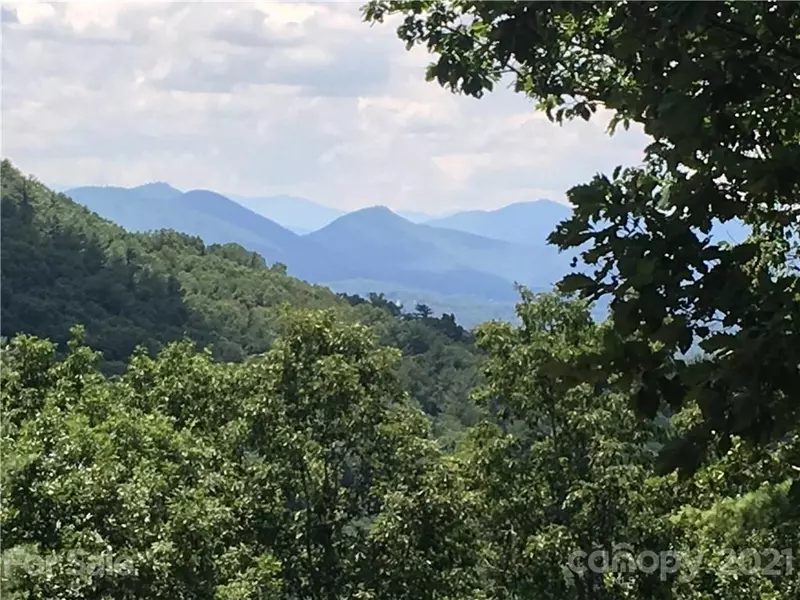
(267, 98)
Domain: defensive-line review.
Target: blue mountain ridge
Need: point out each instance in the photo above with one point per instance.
(520, 223)
(468, 261)
(374, 245)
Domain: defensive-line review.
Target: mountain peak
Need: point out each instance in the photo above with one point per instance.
(528, 222)
(157, 190)
(373, 218)
(154, 185)
(532, 207)
(378, 209)
(379, 214)
(301, 215)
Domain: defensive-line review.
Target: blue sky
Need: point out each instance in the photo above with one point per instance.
(272, 98)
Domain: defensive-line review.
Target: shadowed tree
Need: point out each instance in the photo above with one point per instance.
(717, 87)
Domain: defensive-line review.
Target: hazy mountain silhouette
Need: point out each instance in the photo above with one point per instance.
(376, 237)
(373, 249)
(416, 216)
(214, 218)
(158, 190)
(520, 223)
(297, 214)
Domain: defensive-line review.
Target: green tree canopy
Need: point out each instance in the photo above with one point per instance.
(63, 265)
(717, 87)
(304, 473)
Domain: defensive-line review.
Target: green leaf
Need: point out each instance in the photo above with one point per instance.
(575, 282)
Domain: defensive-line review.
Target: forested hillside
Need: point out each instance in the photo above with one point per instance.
(303, 458)
(63, 265)
(368, 250)
(305, 473)
(324, 447)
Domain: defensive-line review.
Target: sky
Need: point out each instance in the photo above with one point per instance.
(273, 98)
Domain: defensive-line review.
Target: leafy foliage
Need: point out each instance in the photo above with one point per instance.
(307, 473)
(716, 87)
(291, 460)
(62, 265)
(298, 472)
(577, 473)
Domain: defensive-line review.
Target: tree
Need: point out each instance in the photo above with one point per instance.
(303, 473)
(63, 265)
(572, 472)
(738, 525)
(279, 268)
(423, 310)
(379, 300)
(716, 85)
(358, 468)
(447, 325)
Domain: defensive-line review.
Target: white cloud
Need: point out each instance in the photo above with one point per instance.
(298, 98)
(459, 168)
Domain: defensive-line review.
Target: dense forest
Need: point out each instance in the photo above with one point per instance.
(63, 265)
(186, 421)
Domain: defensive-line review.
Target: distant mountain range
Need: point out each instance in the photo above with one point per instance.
(302, 215)
(434, 259)
(296, 214)
(375, 249)
(520, 223)
(466, 263)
